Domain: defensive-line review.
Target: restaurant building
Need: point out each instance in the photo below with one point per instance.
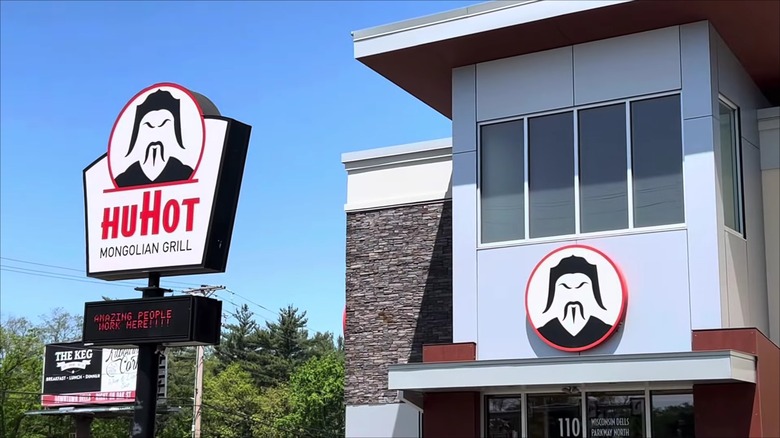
(595, 251)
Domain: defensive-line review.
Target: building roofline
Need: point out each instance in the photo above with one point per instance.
(439, 17)
(419, 55)
(390, 151)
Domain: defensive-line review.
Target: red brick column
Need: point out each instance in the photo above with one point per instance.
(739, 409)
(451, 414)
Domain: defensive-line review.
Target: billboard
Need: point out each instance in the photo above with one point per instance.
(181, 320)
(77, 375)
(163, 197)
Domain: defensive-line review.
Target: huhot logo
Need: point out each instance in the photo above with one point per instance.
(163, 197)
(575, 298)
(158, 138)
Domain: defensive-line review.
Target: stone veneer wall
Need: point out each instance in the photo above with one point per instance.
(399, 293)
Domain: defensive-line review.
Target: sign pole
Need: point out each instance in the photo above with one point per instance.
(146, 379)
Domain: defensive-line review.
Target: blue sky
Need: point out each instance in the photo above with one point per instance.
(286, 68)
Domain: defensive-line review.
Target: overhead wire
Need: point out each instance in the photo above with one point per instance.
(70, 277)
(57, 276)
(28, 262)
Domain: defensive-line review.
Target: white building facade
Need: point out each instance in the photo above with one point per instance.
(625, 155)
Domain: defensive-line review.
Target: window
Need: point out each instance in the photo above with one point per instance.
(730, 168)
(593, 169)
(672, 415)
(615, 414)
(555, 416)
(504, 417)
(592, 414)
(603, 177)
(502, 182)
(656, 140)
(550, 175)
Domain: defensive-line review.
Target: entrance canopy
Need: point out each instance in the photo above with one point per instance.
(666, 368)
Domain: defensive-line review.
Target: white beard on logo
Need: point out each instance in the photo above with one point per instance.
(156, 143)
(574, 302)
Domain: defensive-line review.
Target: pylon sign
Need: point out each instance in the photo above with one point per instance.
(164, 196)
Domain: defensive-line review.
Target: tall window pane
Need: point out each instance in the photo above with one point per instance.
(504, 417)
(555, 416)
(729, 169)
(551, 175)
(614, 414)
(603, 182)
(656, 138)
(501, 179)
(673, 415)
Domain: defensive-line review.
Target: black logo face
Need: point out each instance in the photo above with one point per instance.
(575, 298)
(157, 139)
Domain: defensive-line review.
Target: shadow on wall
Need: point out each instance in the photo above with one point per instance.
(434, 320)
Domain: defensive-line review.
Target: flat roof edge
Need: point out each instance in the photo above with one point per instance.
(389, 151)
(471, 21)
(426, 20)
(769, 113)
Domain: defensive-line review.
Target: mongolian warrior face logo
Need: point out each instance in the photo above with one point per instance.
(575, 298)
(147, 145)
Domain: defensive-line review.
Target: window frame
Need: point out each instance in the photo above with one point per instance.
(631, 229)
(583, 390)
(736, 137)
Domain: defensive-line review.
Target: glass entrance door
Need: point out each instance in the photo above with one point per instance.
(555, 416)
(593, 414)
(616, 415)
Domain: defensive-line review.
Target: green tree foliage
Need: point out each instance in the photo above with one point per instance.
(110, 427)
(283, 345)
(60, 326)
(20, 368)
(316, 397)
(230, 399)
(239, 340)
(282, 362)
(271, 380)
(175, 418)
(21, 365)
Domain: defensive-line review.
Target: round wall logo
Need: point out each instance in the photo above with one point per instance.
(575, 298)
(158, 138)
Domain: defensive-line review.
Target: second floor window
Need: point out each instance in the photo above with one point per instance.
(594, 169)
(730, 168)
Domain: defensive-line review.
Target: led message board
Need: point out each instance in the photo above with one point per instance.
(174, 321)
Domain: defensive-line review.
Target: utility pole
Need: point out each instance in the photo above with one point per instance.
(204, 291)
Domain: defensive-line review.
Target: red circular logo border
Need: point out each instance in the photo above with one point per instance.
(623, 306)
(151, 87)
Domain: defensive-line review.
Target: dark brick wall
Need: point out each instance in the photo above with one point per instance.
(399, 293)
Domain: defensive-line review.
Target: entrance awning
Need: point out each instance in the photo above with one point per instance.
(673, 368)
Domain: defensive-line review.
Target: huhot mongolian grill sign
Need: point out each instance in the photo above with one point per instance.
(185, 320)
(163, 198)
(74, 375)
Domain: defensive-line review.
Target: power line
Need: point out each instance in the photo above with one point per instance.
(78, 277)
(252, 302)
(71, 269)
(64, 278)
(41, 264)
